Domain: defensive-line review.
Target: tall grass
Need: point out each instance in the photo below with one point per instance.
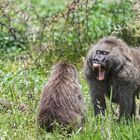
(27, 54)
(21, 85)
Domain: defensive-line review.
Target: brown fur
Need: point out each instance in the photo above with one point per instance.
(62, 99)
(122, 74)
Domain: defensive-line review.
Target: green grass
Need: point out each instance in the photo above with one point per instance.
(21, 84)
(23, 75)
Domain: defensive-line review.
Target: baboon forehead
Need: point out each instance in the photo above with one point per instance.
(104, 47)
(108, 43)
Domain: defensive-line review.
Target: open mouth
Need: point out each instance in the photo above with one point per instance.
(101, 71)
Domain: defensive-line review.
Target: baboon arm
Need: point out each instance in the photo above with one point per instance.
(98, 98)
(99, 104)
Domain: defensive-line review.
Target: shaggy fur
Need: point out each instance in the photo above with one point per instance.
(62, 99)
(122, 75)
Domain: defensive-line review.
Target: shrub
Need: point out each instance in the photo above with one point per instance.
(66, 30)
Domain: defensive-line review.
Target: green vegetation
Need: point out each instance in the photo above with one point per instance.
(61, 29)
(34, 35)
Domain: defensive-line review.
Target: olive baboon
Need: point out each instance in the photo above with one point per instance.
(111, 64)
(62, 100)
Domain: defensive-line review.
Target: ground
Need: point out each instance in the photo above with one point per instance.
(21, 85)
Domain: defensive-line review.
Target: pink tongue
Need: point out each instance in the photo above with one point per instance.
(101, 75)
(101, 72)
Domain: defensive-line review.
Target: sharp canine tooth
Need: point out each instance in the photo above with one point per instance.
(95, 65)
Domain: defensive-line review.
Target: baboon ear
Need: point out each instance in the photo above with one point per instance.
(128, 57)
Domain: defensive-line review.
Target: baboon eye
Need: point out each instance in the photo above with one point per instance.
(102, 52)
(98, 52)
(105, 53)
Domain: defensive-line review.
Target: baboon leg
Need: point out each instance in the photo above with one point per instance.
(126, 105)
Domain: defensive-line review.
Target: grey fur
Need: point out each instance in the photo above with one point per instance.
(122, 74)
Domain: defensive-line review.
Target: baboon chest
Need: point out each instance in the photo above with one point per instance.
(113, 91)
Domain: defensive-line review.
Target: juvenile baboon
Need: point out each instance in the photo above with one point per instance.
(113, 69)
(62, 100)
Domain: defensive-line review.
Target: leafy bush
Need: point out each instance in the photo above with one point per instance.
(130, 32)
(35, 34)
(66, 30)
